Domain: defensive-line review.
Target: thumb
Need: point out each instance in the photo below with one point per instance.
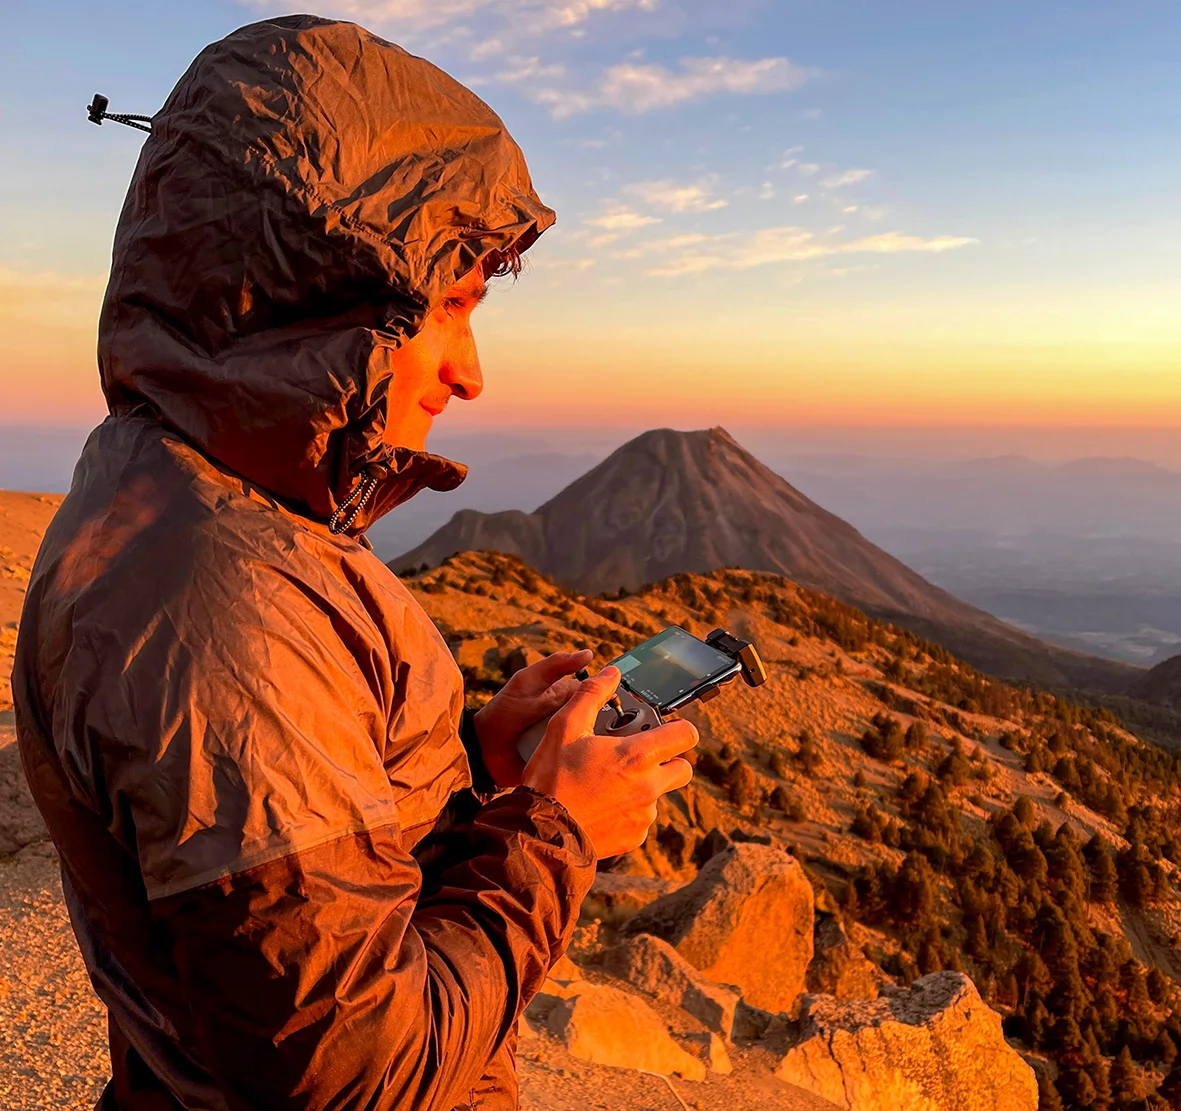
(577, 717)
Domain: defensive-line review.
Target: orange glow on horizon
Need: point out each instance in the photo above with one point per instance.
(822, 368)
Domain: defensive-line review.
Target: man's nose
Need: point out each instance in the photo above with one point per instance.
(461, 369)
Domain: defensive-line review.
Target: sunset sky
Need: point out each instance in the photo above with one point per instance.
(770, 211)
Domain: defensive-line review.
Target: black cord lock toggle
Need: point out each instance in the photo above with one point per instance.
(96, 112)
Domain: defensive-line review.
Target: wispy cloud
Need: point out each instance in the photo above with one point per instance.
(619, 218)
(668, 195)
(846, 177)
(521, 69)
(52, 281)
(538, 15)
(697, 254)
(634, 87)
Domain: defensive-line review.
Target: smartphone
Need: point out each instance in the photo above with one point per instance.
(673, 668)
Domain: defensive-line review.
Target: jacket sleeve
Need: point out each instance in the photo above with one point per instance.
(327, 979)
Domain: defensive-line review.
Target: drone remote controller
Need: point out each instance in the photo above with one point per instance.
(661, 675)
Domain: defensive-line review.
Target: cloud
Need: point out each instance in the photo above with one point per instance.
(809, 168)
(892, 242)
(417, 15)
(521, 69)
(799, 198)
(686, 255)
(52, 281)
(634, 88)
(846, 177)
(618, 218)
(678, 198)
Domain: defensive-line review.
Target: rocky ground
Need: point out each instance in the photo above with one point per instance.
(23, 520)
(52, 1030)
(720, 961)
(53, 1053)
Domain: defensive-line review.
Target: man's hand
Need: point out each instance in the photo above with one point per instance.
(608, 784)
(531, 694)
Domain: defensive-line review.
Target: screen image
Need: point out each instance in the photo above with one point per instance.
(670, 665)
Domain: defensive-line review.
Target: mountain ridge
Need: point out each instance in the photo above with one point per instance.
(669, 502)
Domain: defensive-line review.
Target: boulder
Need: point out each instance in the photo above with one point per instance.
(564, 971)
(618, 895)
(839, 966)
(476, 652)
(746, 919)
(519, 658)
(657, 968)
(706, 1046)
(606, 1026)
(934, 1047)
(750, 1023)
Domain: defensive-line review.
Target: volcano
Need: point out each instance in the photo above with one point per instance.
(669, 501)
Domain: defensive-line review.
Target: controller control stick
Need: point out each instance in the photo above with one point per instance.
(622, 716)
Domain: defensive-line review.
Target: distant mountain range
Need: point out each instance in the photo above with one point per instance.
(1160, 686)
(695, 501)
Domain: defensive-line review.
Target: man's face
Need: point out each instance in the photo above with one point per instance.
(438, 363)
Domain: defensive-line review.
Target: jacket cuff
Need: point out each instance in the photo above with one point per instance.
(483, 785)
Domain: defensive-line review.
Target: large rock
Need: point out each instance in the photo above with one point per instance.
(618, 895)
(657, 968)
(934, 1047)
(839, 965)
(519, 658)
(746, 919)
(476, 652)
(607, 1026)
(708, 1047)
(20, 820)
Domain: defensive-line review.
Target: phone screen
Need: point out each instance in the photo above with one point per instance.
(672, 665)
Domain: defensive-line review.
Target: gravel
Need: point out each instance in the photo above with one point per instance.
(53, 1044)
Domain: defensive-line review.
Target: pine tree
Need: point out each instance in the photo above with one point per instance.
(1104, 878)
(1127, 1082)
(1048, 1098)
(1099, 1078)
(1084, 1089)
(1164, 1049)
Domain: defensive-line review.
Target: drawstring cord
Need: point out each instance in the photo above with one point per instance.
(96, 112)
(349, 509)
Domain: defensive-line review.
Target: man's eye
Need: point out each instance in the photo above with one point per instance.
(453, 304)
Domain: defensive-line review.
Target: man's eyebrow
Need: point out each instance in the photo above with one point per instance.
(483, 294)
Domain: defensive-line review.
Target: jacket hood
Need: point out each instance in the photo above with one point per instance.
(308, 193)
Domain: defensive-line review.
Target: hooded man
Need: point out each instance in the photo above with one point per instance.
(300, 876)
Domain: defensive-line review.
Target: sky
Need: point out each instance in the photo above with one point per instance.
(772, 213)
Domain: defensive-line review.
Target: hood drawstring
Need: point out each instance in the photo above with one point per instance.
(96, 112)
(349, 509)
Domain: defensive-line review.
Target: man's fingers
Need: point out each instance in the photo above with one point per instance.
(536, 678)
(664, 742)
(559, 693)
(674, 775)
(578, 715)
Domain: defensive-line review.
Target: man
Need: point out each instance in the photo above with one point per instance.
(244, 734)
